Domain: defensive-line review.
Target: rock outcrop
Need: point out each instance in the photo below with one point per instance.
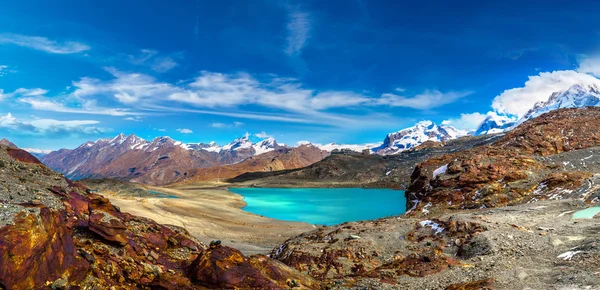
(517, 168)
(55, 233)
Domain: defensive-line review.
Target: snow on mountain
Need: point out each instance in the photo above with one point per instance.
(239, 144)
(334, 146)
(414, 136)
(494, 123)
(577, 96)
(265, 146)
(37, 151)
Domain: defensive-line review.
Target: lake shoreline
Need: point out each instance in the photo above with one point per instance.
(212, 214)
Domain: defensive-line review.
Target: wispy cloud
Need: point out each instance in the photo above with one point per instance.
(429, 99)
(87, 107)
(50, 127)
(299, 28)
(223, 125)
(152, 58)
(185, 131)
(44, 44)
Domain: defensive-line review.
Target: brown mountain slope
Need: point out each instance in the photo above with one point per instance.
(549, 157)
(54, 234)
(280, 159)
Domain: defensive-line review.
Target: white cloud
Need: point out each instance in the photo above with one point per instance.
(218, 125)
(429, 99)
(185, 131)
(134, 119)
(518, 101)
(50, 127)
(164, 64)
(589, 65)
(466, 121)
(298, 27)
(223, 125)
(263, 135)
(44, 44)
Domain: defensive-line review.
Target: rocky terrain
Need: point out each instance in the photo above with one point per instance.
(529, 246)
(54, 234)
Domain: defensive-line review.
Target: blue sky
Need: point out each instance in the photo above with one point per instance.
(324, 71)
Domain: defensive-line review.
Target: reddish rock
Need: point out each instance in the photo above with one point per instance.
(22, 155)
(36, 249)
(225, 267)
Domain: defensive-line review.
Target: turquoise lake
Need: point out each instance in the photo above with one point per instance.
(325, 206)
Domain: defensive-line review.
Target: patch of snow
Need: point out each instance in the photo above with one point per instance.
(37, 151)
(440, 170)
(568, 255)
(434, 226)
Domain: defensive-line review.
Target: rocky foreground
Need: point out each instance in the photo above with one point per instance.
(54, 234)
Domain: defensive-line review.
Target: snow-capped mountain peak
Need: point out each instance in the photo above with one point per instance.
(239, 143)
(577, 96)
(265, 145)
(494, 123)
(413, 136)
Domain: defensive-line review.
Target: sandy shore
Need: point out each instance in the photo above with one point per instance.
(212, 214)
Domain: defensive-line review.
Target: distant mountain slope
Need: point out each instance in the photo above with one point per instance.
(158, 162)
(280, 159)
